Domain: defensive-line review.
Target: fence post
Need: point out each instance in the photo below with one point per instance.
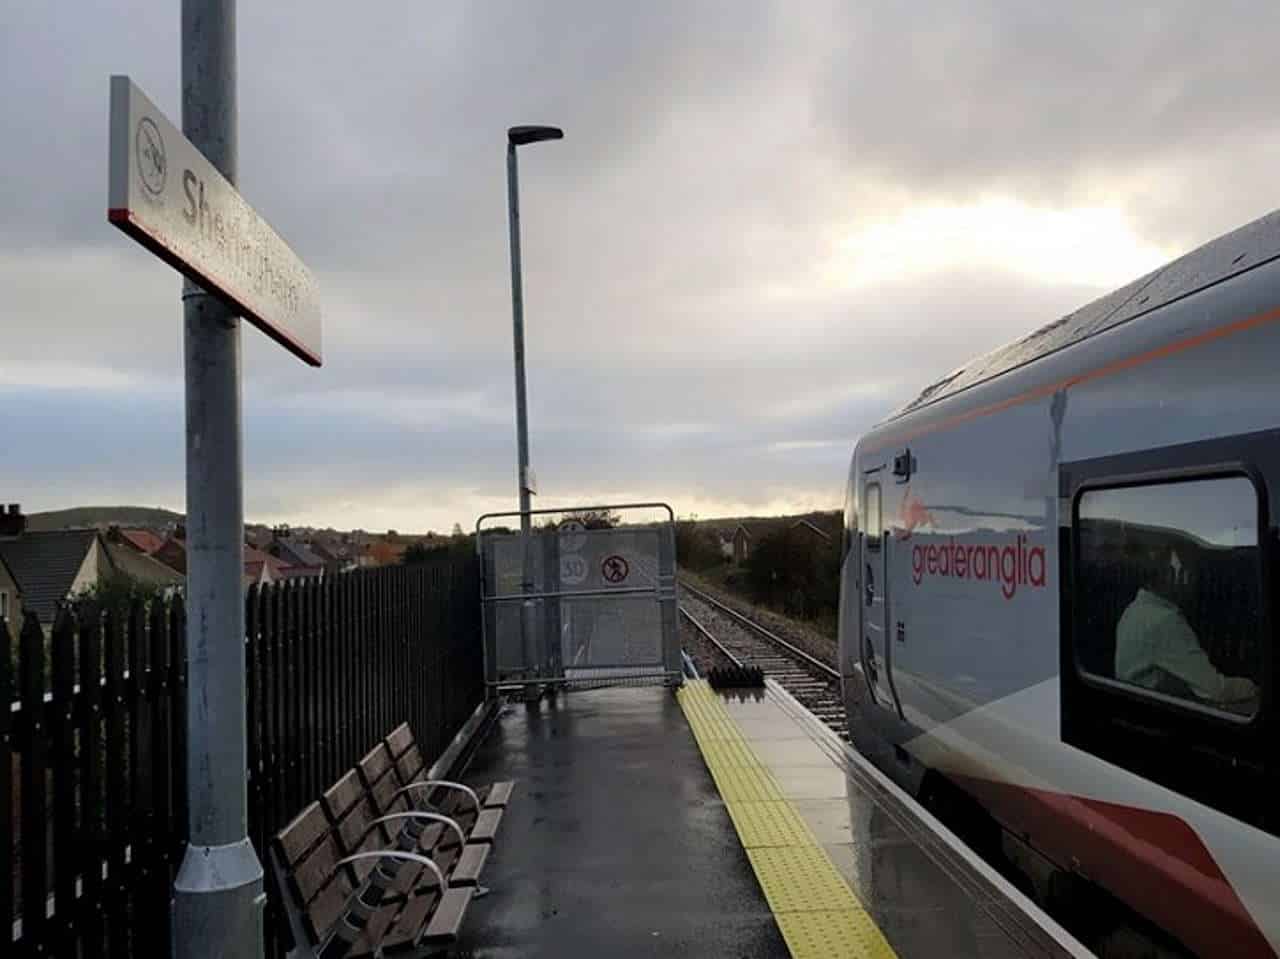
(33, 748)
(7, 812)
(117, 793)
(162, 762)
(66, 846)
(141, 827)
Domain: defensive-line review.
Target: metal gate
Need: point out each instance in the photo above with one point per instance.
(585, 595)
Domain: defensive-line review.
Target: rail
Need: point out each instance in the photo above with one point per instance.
(824, 668)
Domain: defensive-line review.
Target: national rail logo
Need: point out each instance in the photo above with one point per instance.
(153, 165)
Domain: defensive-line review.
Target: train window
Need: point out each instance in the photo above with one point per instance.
(1168, 591)
(872, 513)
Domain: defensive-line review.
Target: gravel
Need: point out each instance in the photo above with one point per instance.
(701, 650)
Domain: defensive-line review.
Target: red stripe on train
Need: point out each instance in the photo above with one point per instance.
(1153, 861)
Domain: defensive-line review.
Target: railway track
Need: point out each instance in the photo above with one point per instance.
(744, 642)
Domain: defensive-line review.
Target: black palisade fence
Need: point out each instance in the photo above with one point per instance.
(92, 745)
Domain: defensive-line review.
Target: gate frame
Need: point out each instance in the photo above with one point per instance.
(666, 595)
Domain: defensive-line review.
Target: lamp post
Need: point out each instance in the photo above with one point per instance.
(521, 136)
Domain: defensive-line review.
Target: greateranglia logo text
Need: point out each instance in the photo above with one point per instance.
(1011, 565)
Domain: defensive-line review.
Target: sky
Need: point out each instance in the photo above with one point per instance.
(769, 224)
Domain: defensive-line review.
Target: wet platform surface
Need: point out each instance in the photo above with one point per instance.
(616, 843)
(926, 897)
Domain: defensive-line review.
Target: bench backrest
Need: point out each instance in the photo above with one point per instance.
(307, 850)
(405, 754)
(347, 805)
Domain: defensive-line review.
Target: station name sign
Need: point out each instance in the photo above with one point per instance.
(165, 194)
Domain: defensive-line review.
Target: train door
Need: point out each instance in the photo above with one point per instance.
(876, 653)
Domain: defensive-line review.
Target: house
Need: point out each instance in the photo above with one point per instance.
(338, 556)
(260, 568)
(143, 568)
(173, 551)
(143, 541)
(296, 560)
(383, 553)
(10, 599)
(741, 544)
(805, 526)
(50, 566)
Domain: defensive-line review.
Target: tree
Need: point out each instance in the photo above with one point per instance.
(696, 546)
(594, 518)
(117, 590)
(416, 553)
(795, 572)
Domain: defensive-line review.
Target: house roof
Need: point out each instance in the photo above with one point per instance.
(143, 540)
(173, 553)
(813, 528)
(386, 554)
(45, 564)
(293, 553)
(144, 568)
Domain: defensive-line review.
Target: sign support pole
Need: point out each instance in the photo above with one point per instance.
(218, 893)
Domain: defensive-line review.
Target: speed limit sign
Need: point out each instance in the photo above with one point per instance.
(573, 570)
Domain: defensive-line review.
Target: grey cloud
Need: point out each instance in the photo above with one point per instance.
(677, 337)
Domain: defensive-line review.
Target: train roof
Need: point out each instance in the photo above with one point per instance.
(1228, 255)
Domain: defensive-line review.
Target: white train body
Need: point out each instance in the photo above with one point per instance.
(1022, 504)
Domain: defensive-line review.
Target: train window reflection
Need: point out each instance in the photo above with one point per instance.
(1168, 590)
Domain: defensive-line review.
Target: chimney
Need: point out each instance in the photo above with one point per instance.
(12, 522)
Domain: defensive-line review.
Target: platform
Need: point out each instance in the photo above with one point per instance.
(651, 823)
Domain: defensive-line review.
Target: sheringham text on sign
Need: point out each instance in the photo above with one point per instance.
(166, 195)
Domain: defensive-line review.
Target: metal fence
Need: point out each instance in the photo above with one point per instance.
(568, 603)
(92, 763)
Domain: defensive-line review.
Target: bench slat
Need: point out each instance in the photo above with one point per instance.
(313, 873)
(486, 827)
(375, 764)
(409, 765)
(447, 919)
(499, 794)
(399, 739)
(403, 936)
(470, 865)
(300, 835)
(343, 794)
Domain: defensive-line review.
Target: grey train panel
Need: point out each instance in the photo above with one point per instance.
(972, 550)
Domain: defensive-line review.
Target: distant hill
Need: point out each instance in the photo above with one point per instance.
(102, 516)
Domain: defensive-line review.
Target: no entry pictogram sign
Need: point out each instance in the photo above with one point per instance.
(615, 569)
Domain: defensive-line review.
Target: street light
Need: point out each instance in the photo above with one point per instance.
(520, 136)
(516, 137)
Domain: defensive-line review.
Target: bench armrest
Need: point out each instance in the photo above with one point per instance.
(429, 784)
(397, 854)
(432, 816)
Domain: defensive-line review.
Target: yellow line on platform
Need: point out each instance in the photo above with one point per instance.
(818, 913)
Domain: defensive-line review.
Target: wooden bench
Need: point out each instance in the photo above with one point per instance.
(369, 903)
(394, 774)
(382, 865)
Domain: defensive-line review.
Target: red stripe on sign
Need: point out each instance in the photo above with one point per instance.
(1154, 861)
(124, 220)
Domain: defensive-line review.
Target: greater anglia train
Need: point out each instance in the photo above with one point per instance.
(1058, 601)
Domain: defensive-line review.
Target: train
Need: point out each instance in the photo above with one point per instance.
(1058, 604)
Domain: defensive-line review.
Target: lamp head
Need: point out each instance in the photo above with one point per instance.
(519, 136)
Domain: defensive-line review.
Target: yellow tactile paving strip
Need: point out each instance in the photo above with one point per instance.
(818, 913)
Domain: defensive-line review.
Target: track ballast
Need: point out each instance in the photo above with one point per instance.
(744, 642)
